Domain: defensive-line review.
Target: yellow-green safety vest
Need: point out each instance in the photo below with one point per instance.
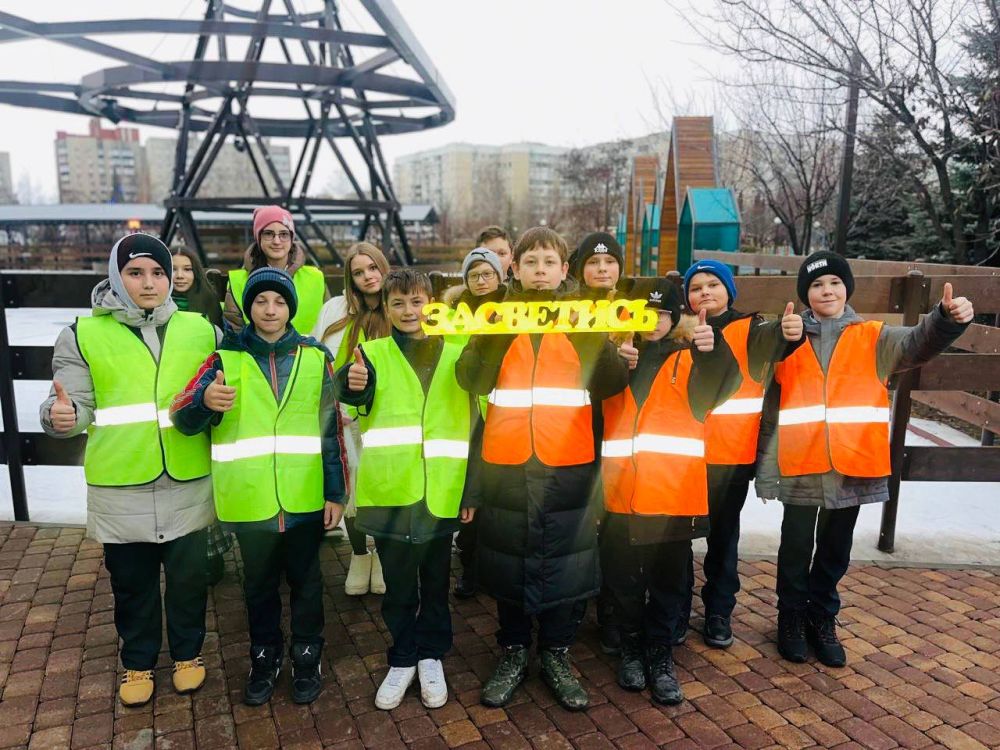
(310, 288)
(267, 456)
(132, 440)
(342, 354)
(414, 448)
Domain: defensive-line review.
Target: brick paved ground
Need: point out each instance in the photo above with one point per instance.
(924, 650)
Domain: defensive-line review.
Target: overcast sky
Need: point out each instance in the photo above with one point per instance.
(562, 72)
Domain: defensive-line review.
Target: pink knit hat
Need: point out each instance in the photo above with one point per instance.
(267, 215)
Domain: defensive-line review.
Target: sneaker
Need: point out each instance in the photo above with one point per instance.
(359, 575)
(662, 681)
(821, 632)
(377, 583)
(718, 631)
(510, 672)
(189, 675)
(307, 672)
(631, 669)
(433, 688)
(265, 666)
(557, 674)
(136, 688)
(393, 688)
(792, 635)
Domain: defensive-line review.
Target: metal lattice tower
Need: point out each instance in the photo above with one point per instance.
(346, 87)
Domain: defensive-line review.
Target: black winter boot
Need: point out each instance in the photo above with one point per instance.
(307, 672)
(821, 632)
(632, 670)
(558, 675)
(662, 680)
(718, 631)
(465, 586)
(683, 620)
(792, 635)
(265, 666)
(611, 637)
(509, 673)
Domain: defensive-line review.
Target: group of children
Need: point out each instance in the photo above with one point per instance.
(571, 465)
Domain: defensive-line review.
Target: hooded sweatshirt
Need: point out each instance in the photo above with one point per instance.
(164, 509)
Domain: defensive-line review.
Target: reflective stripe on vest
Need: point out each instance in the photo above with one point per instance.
(644, 469)
(414, 448)
(839, 420)
(131, 440)
(310, 289)
(267, 456)
(539, 406)
(731, 428)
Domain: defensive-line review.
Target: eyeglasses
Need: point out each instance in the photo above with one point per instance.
(270, 234)
(482, 276)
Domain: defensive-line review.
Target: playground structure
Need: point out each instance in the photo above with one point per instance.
(652, 229)
(348, 88)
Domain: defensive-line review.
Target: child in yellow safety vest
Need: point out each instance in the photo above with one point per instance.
(416, 430)
(824, 439)
(267, 398)
(149, 497)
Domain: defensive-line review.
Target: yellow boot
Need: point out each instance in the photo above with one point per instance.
(136, 688)
(189, 675)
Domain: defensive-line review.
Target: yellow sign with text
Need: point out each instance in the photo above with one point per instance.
(562, 316)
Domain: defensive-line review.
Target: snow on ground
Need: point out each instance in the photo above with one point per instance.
(938, 522)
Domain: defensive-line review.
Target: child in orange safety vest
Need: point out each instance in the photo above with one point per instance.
(824, 439)
(655, 482)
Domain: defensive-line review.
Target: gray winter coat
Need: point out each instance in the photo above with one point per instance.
(899, 348)
(162, 510)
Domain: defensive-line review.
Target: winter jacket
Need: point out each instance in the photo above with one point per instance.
(159, 511)
(537, 536)
(899, 348)
(191, 416)
(233, 312)
(409, 523)
(715, 376)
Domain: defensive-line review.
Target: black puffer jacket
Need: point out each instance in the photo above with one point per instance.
(537, 545)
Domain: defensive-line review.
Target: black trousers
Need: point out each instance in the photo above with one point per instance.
(557, 625)
(266, 556)
(468, 535)
(813, 556)
(135, 583)
(415, 605)
(659, 570)
(727, 492)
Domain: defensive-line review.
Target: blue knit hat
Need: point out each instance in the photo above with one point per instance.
(717, 269)
(269, 279)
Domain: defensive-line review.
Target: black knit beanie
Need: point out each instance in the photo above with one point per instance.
(269, 279)
(596, 243)
(141, 245)
(821, 264)
(661, 294)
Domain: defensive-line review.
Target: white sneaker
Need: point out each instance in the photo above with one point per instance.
(433, 688)
(378, 582)
(393, 688)
(359, 575)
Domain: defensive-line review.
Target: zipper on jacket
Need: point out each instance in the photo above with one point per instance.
(677, 362)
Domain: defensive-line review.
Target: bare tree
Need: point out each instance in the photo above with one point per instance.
(908, 53)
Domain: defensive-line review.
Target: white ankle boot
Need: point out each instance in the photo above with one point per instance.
(433, 688)
(393, 688)
(359, 575)
(377, 581)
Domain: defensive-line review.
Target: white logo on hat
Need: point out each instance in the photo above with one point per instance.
(821, 263)
(655, 296)
(600, 248)
(140, 255)
(286, 221)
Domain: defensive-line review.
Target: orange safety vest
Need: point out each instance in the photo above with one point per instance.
(731, 429)
(837, 421)
(540, 406)
(653, 458)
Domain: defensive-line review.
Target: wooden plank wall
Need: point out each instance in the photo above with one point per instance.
(642, 190)
(690, 163)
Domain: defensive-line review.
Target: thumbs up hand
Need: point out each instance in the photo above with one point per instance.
(62, 413)
(357, 374)
(219, 396)
(704, 335)
(629, 353)
(959, 309)
(791, 323)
